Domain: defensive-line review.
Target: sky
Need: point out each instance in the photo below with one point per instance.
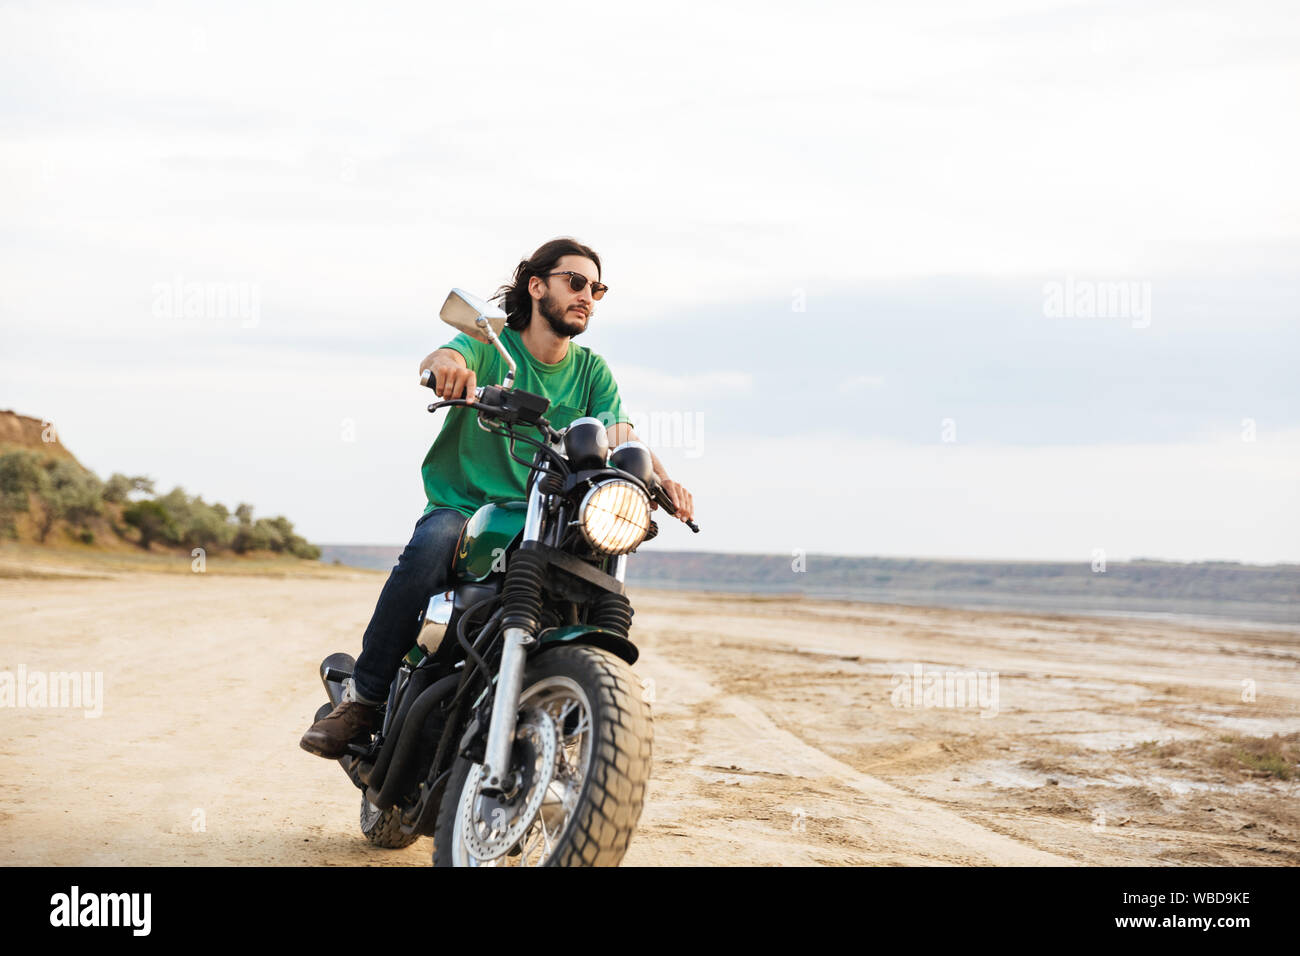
(972, 280)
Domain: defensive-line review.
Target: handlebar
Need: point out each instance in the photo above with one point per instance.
(514, 405)
(661, 498)
(430, 381)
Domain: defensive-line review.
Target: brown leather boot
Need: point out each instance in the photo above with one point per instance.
(350, 720)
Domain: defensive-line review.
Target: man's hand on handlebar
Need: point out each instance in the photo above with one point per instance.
(454, 382)
(448, 375)
(681, 499)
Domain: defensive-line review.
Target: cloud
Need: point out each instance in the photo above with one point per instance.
(914, 175)
(654, 384)
(860, 383)
(1228, 500)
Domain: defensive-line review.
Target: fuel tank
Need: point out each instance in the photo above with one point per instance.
(492, 531)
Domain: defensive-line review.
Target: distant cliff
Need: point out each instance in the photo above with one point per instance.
(1260, 593)
(23, 431)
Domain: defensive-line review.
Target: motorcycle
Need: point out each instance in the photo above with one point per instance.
(515, 731)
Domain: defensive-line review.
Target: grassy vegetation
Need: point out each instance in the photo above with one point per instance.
(19, 560)
(40, 492)
(1277, 756)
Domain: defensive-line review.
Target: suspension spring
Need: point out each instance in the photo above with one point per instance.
(521, 598)
(611, 611)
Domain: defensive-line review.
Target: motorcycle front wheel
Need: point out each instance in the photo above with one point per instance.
(582, 761)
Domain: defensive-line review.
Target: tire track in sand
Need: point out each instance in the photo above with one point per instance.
(731, 785)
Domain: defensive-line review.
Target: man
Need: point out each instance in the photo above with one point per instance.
(550, 301)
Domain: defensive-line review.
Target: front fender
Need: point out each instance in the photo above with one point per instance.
(588, 634)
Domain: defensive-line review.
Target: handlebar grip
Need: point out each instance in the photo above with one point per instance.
(430, 381)
(666, 503)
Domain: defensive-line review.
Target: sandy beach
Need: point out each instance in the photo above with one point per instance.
(787, 731)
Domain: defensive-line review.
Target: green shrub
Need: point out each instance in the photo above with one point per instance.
(20, 474)
(71, 493)
(119, 487)
(154, 522)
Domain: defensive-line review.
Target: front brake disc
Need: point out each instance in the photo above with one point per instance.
(492, 826)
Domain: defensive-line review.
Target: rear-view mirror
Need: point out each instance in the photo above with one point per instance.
(463, 311)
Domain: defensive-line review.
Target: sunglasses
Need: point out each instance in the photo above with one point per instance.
(578, 282)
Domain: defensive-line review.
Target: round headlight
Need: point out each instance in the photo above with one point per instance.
(614, 516)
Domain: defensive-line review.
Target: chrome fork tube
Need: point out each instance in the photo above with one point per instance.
(533, 519)
(510, 678)
(501, 730)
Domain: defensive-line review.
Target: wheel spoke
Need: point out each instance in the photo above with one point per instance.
(545, 835)
(583, 726)
(526, 846)
(569, 704)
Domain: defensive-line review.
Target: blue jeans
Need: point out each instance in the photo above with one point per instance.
(423, 568)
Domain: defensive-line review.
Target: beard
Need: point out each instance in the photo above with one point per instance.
(558, 319)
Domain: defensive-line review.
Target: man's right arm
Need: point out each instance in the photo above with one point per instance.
(453, 379)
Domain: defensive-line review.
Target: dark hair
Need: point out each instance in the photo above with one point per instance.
(516, 301)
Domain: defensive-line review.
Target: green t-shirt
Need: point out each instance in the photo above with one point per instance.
(468, 467)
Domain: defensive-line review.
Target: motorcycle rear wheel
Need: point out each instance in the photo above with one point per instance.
(597, 782)
(383, 828)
